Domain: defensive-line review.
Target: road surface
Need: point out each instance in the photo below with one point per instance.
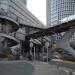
(28, 68)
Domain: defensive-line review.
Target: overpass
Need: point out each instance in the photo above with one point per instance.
(64, 42)
(52, 30)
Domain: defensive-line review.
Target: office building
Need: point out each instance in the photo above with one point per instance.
(58, 10)
(24, 1)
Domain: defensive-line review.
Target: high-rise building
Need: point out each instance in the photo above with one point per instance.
(24, 1)
(58, 10)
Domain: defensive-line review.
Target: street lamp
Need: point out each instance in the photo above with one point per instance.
(47, 45)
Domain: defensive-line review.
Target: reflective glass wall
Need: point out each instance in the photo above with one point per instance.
(4, 5)
(24, 2)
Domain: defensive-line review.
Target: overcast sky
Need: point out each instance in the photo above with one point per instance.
(38, 8)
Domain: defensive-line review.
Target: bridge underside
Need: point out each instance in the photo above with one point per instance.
(64, 42)
(52, 30)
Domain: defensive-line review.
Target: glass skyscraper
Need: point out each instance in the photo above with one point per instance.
(24, 1)
(58, 10)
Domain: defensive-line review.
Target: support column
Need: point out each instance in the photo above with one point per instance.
(64, 42)
(5, 44)
(31, 47)
(43, 53)
(34, 52)
(47, 46)
(47, 55)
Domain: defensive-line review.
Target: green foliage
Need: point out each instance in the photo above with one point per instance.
(10, 57)
(7, 51)
(59, 50)
(73, 46)
(52, 43)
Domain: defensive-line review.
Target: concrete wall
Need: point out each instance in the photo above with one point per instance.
(20, 34)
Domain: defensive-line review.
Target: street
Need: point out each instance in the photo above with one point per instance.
(28, 68)
(15, 68)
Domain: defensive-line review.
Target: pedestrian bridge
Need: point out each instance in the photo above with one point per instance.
(64, 42)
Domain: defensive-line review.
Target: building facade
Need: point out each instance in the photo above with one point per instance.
(8, 25)
(15, 23)
(58, 10)
(23, 3)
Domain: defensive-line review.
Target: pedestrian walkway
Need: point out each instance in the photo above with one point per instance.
(42, 68)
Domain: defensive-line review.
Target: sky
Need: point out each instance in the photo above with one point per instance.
(38, 9)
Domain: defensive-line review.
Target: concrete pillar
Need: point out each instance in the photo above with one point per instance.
(47, 55)
(34, 52)
(5, 43)
(1, 40)
(43, 53)
(64, 42)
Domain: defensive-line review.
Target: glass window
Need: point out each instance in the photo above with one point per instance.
(4, 4)
(24, 2)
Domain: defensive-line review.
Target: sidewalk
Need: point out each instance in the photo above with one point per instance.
(23, 67)
(42, 68)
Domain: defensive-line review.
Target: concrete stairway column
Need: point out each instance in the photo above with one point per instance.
(64, 42)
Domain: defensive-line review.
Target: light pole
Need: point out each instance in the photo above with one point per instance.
(47, 45)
